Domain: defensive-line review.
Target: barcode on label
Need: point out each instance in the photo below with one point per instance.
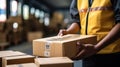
(47, 46)
(46, 53)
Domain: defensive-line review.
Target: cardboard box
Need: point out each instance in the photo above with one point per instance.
(54, 62)
(3, 37)
(23, 65)
(3, 45)
(8, 54)
(34, 35)
(2, 26)
(17, 60)
(1, 55)
(61, 46)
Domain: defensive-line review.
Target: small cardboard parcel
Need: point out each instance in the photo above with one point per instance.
(64, 46)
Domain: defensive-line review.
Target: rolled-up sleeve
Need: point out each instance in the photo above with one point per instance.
(74, 12)
(116, 8)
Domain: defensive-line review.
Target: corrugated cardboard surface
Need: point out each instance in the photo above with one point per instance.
(58, 65)
(17, 60)
(8, 54)
(54, 62)
(1, 55)
(23, 65)
(61, 46)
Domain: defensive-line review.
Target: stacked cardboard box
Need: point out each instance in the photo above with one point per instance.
(54, 62)
(3, 45)
(1, 55)
(8, 54)
(23, 65)
(31, 61)
(3, 40)
(17, 60)
(46, 62)
(61, 46)
(3, 37)
(34, 35)
(2, 26)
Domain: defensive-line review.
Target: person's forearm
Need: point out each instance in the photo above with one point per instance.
(74, 28)
(113, 35)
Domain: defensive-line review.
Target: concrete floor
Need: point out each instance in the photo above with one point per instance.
(27, 48)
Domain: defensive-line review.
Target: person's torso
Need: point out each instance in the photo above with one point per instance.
(97, 19)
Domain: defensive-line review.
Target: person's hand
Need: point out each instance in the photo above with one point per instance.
(62, 32)
(85, 50)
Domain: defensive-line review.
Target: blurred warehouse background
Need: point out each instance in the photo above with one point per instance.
(25, 20)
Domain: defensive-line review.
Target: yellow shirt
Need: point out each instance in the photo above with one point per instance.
(98, 20)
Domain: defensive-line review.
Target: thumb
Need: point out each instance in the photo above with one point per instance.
(79, 44)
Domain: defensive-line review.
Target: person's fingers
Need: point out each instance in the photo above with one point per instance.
(80, 45)
(59, 33)
(87, 50)
(62, 32)
(79, 55)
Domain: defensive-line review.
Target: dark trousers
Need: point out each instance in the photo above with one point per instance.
(102, 60)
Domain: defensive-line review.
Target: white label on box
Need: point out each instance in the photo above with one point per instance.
(47, 45)
(46, 53)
